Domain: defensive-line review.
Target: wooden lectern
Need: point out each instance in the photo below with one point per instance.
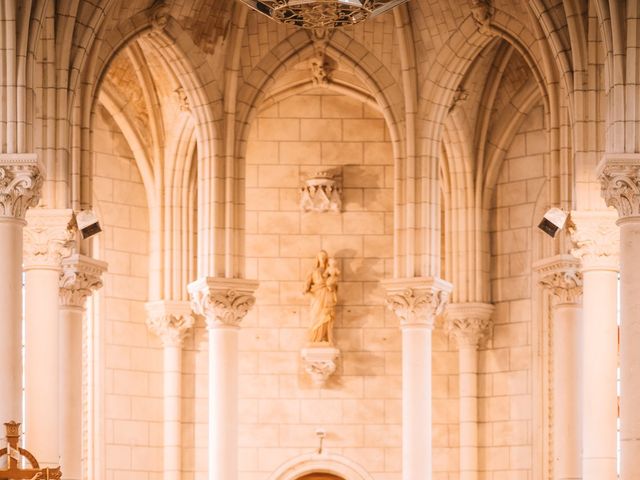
(14, 453)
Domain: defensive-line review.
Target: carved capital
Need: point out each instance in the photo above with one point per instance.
(21, 179)
(620, 180)
(562, 277)
(171, 321)
(79, 278)
(596, 238)
(222, 301)
(48, 237)
(469, 323)
(417, 301)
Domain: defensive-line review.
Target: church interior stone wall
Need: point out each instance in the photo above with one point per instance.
(174, 175)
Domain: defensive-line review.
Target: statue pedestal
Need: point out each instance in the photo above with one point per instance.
(319, 361)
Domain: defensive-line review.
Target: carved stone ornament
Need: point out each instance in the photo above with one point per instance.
(482, 12)
(171, 321)
(321, 193)
(159, 15)
(320, 64)
(562, 277)
(222, 301)
(183, 99)
(459, 97)
(79, 278)
(417, 301)
(620, 181)
(469, 323)
(319, 363)
(21, 178)
(596, 238)
(48, 237)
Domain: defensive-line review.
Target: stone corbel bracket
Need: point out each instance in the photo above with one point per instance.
(322, 193)
(319, 362)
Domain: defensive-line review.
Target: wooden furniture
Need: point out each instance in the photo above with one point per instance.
(14, 454)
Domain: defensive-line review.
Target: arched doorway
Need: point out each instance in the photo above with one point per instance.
(320, 476)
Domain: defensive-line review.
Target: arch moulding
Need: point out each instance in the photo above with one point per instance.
(320, 463)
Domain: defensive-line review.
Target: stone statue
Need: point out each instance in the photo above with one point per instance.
(322, 285)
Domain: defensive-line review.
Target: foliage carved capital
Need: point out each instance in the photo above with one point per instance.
(620, 181)
(79, 278)
(562, 277)
(222, 301)
(48, 237)
(469, 323)
(596, 238)
(171, 321)
(417, 301)
(21, 179)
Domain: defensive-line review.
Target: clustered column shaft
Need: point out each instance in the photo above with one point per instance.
(80, 277)
(20, 185)
(171, 321)
(224, 303)
(49, 237)
(620, 179)
(596, 239)
(560, 275)
(469, 324)
(416, 302)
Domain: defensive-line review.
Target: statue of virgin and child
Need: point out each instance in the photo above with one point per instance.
(322, 285)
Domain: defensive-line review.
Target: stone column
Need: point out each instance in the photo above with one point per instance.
(560, 275)
(468, 324)
(80, 276)
(49, 237)
(223, 302)
(20, 185)
(416, 302)
(620, 177)
(596, 238)
(171, 321)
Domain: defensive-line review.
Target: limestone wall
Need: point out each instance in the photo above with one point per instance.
(131, 386)
(506, 385)
(360, 408)
(280, 408)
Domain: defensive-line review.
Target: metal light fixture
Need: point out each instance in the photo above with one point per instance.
(318, 14)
